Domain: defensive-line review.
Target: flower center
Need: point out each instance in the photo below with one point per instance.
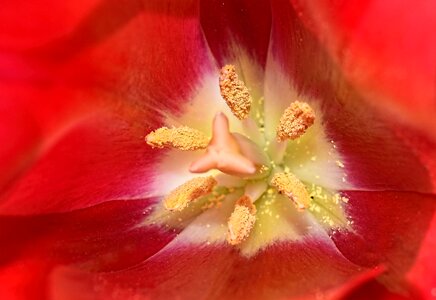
(262, 169)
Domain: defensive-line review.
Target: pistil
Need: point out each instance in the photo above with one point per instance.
(223, 152)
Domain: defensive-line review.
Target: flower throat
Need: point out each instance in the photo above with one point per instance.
(236, 155)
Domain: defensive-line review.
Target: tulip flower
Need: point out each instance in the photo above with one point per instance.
(215, 150)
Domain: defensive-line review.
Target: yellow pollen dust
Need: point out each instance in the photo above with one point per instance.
(234, 92)
(294, 122)
(183, 138)
(289, 185)
(241, 221)
(195, 188)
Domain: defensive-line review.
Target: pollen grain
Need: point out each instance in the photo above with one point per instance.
(294, 122)
(183, 138)
(191, 190)
(234, 92)
(289, 185)
(241, 221)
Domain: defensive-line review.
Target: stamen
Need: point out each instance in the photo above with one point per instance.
(234, 92)
(183, 138)
(296, 119)
(289, 185)
(195, 188)
(241, 221)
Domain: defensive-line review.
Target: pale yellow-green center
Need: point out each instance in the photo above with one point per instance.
(279, 213)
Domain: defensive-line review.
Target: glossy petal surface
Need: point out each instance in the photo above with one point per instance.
(102, 238)
(386, 48)
(84, 93)
(110, 106)
(298, 67)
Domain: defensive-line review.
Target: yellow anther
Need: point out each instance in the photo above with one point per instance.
(234, 92)
(183, 138)
(195, 188)
(289, 185)
(241, 221)
(296, 119)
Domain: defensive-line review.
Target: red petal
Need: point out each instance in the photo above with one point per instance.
(100, 158)
(19, 137)
(214, 272)
(28, 24)
(422, 147)
(356, 283)
(422, 275)
(388, 228)
(375, 157)
(386, 48)
(107, 237)
(28, 119)
(119, 46)
(375, 290)
(95, 253)
(118, 61)
(242, 22)
(124, 47)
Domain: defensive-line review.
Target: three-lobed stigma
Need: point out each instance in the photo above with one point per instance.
(223, 152)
